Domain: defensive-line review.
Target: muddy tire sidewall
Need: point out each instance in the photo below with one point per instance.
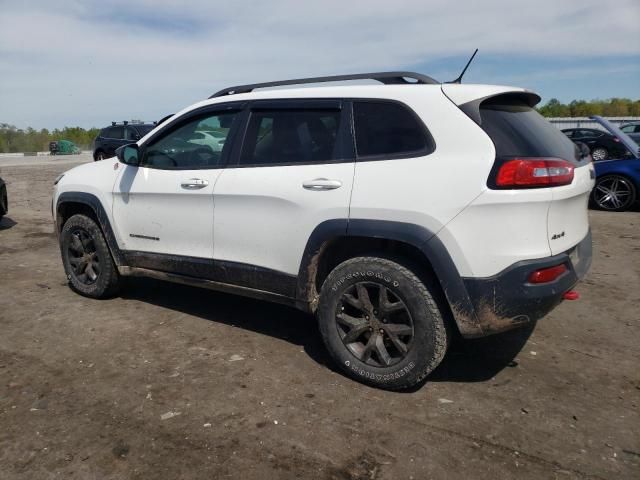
(430, 340)
(107, 282)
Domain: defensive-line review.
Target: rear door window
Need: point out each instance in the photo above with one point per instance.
(114, 132)
(290, 136)
(386, 130)
(131, 134)
(517, 130)
(590, 133)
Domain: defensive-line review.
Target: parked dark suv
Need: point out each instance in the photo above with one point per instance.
(118, 134)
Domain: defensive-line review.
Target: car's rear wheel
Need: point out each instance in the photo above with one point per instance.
(380, 323)
(100, 155)
(614, 193)
(599, 153)
(86, 258)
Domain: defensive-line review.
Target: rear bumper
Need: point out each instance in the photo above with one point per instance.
(507, 300)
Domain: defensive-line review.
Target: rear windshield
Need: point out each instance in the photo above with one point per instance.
(517, 130)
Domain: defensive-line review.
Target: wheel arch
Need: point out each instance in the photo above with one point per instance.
(72, 203)
(335, 241)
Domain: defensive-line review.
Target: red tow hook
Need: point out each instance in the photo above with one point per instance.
(571, 295)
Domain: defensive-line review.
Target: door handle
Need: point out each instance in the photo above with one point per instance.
(194, 183)
(321, 184)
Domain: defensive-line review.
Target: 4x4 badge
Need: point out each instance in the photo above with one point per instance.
(557, 236)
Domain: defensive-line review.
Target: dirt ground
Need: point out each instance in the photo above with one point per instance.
(173, 382)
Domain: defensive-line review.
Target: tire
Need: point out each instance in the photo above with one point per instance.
(99, 155)
(599, 153)
(4, 202)
(357, 332)
(613, 193)
(86, 258)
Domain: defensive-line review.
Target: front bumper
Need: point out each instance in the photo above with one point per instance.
(507, 300)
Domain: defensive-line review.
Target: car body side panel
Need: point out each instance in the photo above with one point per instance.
(436, 187)
(498, 229)
(96, 179)
(568, 220)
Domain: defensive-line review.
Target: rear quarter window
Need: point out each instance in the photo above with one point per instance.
(517, 130)
(386, 130)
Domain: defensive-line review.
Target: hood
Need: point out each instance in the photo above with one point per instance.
(615, 131)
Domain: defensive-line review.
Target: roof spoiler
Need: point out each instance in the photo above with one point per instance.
(472, 109)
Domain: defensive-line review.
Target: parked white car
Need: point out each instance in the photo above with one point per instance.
(397, 213)
(213, 140)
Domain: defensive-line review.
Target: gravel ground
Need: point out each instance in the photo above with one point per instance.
(168, 381)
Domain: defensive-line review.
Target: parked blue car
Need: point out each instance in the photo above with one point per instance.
(617, 180)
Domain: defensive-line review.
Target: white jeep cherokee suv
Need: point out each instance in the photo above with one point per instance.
(397, 213)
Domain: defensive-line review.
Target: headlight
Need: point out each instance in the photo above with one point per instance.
(58, 178)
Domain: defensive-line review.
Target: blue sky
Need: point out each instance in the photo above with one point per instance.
(86, 63)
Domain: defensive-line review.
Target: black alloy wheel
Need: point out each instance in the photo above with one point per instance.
(381, 323)
(86, 258)
(83, 256)
(374, 324)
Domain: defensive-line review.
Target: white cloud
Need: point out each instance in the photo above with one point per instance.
(90, 62)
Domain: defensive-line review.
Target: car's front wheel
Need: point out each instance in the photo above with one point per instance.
(614, 193)
(99, 155)
(380, 323)
(86, 258)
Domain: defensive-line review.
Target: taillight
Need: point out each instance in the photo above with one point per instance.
(533, 172)
(546, 275)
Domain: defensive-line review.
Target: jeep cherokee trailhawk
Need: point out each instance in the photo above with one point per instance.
(398, 213)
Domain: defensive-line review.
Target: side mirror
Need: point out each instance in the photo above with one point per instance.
(128, 154)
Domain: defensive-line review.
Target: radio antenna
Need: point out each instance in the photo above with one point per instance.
(459, 79)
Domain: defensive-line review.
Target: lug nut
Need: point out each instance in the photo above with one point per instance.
(366, 317)
(381, 331)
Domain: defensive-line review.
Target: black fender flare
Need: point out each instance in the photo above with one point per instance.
(424, 240)
(94, 203)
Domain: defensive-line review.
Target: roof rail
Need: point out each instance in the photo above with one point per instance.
(388, 78)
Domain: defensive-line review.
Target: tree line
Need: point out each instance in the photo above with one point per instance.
(13, 139)
(613, 107)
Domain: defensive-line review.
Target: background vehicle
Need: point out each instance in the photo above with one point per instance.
(4, 201)
(617, 180)
(341, 201)
(603, 145)
(633, 130)
(118, 134)
(63, 147)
